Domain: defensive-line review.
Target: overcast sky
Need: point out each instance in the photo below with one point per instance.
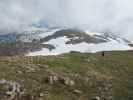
(114, 16)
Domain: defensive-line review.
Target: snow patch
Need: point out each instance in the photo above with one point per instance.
(109, 46)
(61, 47)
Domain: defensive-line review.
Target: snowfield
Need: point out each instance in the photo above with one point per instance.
(61, 47)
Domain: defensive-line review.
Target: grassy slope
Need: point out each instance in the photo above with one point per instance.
(109, 77)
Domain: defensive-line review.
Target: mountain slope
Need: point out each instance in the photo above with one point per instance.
(55, 41)
(72, 40)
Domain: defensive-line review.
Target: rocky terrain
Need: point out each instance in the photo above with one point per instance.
(73, 76)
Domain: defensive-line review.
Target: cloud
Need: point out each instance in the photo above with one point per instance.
(115, 16)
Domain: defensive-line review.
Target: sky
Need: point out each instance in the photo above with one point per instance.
(114, 16)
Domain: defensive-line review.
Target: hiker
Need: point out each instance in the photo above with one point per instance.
(103, 54)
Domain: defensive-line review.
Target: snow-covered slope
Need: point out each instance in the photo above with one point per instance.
(68, 40)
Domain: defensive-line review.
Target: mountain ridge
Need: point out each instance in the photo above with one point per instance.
(55, 41)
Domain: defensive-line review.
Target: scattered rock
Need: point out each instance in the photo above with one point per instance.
(52, 79)
(13, 90)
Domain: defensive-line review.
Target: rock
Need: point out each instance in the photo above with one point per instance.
(95, 98)
(52, 79)
(68, 81)
(55, 78)
(71, 83)
(41, 94)
(77, 91)
(19, 72)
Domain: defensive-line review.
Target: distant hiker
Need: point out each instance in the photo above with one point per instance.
(103, 54)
